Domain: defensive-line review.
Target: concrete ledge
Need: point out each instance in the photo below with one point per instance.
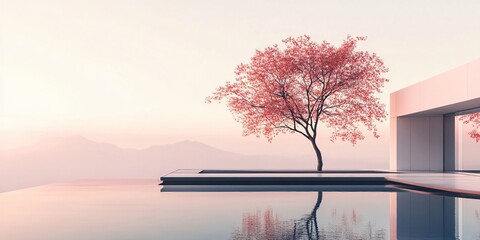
(270, 177)
(273, 180)
(215, 171)
(281, 188)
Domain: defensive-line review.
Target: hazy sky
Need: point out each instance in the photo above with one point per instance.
(136, 73)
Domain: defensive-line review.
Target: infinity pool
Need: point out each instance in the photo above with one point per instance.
(141, 209)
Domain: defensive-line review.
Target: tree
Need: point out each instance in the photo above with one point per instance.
(474, 120)
(304, 84)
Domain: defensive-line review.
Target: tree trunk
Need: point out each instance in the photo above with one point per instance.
(319, 156)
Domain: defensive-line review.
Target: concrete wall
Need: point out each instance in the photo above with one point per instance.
(419, 143)
(419, 123)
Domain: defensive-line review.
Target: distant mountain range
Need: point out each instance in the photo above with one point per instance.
(72, 158)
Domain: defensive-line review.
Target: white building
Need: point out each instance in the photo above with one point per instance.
(422, 119)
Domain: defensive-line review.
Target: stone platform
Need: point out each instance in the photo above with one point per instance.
(451, 182)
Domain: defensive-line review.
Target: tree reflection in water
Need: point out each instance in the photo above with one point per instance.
(269, 226)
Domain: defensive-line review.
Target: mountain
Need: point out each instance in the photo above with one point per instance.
(71, 158)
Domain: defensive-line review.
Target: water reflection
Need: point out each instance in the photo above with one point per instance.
(137, 210)
(352, 226)
(310, 220)
(468, 212)
(339, 225)
(266, 225)
(477, 216)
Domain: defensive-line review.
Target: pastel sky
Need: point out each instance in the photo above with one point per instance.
(136, 73)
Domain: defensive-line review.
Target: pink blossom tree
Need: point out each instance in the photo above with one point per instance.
(474, 120)
(306, 84)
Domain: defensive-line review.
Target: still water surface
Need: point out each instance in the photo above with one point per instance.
(140, 209)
